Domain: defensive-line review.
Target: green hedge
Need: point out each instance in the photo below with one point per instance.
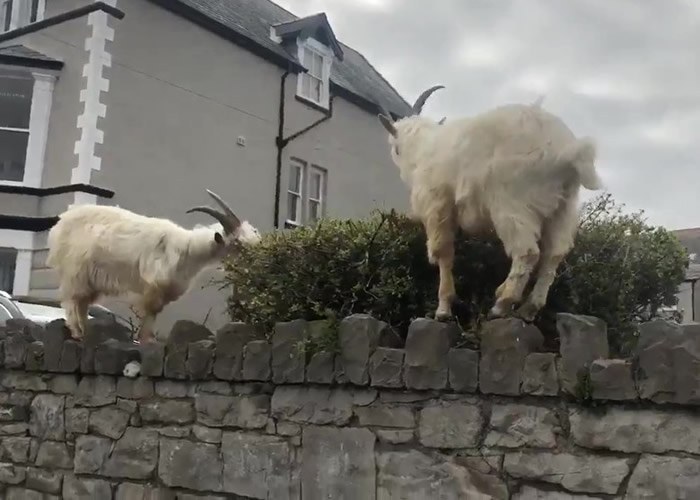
(621, 269)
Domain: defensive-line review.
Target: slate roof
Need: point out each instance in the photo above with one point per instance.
(253, 18)
(14, 54)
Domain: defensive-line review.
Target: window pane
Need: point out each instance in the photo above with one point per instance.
(305, 85)
(314, 210)
(8, 257)
(316, 90)
(315, 191)
(6, 14)
(292, 207)
(317, 69)
(34, 12)
(13, 150)
(15, 101)
(295, 179)
(307, 58)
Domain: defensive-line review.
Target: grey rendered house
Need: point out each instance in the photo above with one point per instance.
(144, 104)
(689, 291)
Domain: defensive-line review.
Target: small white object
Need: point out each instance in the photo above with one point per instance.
(132, 369)
(240, 141)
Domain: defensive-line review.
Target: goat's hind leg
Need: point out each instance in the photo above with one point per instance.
(557, 240)
(521, 244)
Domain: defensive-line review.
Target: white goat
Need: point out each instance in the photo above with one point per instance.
(109, 251)
(516, 169)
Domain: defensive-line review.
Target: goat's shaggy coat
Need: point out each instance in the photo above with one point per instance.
(109, 251)
(516, 169)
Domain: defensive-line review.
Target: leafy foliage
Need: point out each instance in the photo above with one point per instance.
(621, 269)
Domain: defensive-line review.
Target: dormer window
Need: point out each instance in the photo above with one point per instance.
(314, 84)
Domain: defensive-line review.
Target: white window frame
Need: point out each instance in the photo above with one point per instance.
(23, 242)
(21, 13)
(321, 200)
(326, 54)
(39, 116)
(295, 164)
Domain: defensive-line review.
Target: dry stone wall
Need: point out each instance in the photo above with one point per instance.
(232, 415)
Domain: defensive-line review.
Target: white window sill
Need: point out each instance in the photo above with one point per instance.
(314, 104)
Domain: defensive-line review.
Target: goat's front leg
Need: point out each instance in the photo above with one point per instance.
(439, 229)
(152, 304)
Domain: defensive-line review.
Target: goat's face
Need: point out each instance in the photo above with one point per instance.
(245, 234)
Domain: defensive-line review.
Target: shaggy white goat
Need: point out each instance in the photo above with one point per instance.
(516, 169)
(109, 251)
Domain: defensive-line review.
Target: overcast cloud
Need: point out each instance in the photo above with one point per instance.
(626, 72)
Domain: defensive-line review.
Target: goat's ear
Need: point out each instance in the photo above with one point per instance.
(218, 238)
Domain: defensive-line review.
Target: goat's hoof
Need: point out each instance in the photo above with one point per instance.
(443, 316)
(498, 311)
(527, 312)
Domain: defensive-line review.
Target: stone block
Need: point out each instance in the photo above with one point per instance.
(321, 368)
(351, 451)
(111, 356)
(582, 340)
(152, 359)
(173, 389)
(517, 425)
(359, 336)
(34, 356)
(426, 353)
(668, 356)
(450, 424)
(386, 367)
(96, 391)
(15, 449)
(540, 374)
(55, 334)
(55, 455)
(530, 493)
(664, 478)
(133, 491)
(257, 466)
(382, 415)
(108, 421)
(18, 381)
(135, 455)
(207, 434)
(636, 430)
(395, 436)
(183, 333)
(413, 475)
(246, 411)
(63, 384)
(463, 370)
(135, 388)
(200, 359)
(44, 480)
(99, 331)
(46, 417)
(256, 359)
(166, 411)
(611, 379)
(288, 358)
(77, 420)
(91, 452)
(214, 387)
(230, 342)
(191, 465)
(577, 473)
(15, 348)
(312, 405)
(505, 344)
(12, 474)
(75, 488)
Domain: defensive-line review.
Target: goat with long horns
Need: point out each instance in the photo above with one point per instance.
(102, 251)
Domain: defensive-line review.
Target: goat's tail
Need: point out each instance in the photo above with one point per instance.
(581, 154)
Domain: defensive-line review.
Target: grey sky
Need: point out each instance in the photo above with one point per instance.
(626, 72)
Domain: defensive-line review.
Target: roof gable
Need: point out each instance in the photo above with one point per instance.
(315, 26)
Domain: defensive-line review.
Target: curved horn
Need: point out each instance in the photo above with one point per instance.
(388, 124)
(442, 120)
(225, 221)
(418, 105)
(225, 207)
